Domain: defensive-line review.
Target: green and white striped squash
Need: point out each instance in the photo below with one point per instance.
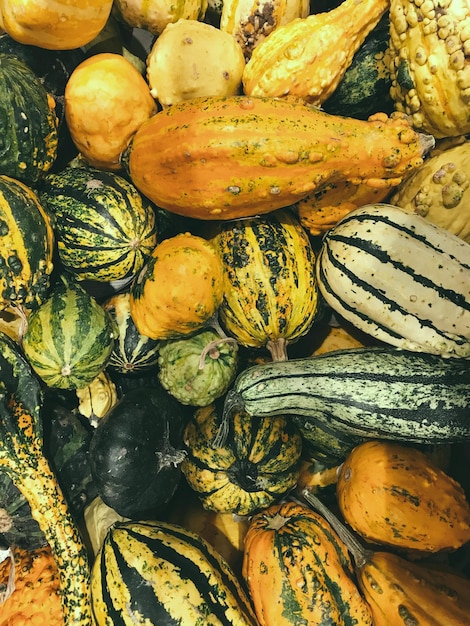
(257, 464)
(105, 229)
(28, 142)
(69, 338)
(373, 392)
(132, 351)
(270, 296)
(152, 572)
(26, 246)
(399, 278)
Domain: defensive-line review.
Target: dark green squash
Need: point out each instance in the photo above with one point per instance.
(28, 141)
(26, 246)
(17, 525)
(52, 68)
(136, 451)
(365, 86)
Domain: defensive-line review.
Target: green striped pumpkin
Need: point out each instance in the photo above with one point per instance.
(152, 572)
(399, 278)
(256, 465)
(69, 338)
(132, 352)
(105, 228)
(26, 246)
(28, 142)
(270, 294)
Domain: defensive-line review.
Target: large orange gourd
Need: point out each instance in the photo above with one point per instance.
(237, 156)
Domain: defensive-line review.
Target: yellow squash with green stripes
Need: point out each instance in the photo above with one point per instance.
(270, 290)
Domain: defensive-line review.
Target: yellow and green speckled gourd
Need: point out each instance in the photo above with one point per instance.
(270, 295)
(429, 64)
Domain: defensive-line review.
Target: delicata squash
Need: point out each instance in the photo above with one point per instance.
(239, 156)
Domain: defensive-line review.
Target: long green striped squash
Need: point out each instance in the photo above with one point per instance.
(398, 277)
(154, 572)
(374, 392)
(105, 229)
(70, 337)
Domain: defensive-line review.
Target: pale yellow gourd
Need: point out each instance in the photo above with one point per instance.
(156, 15)
(191, 59)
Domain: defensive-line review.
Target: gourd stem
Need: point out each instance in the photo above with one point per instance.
(214, 323)
(278, 349)
(210, 346)
(360, 554)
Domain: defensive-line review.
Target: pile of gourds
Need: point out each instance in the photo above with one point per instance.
(234, 313)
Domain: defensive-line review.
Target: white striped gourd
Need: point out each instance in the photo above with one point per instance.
(400, 279)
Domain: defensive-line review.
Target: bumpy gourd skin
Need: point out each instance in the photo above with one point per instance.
(308, 56)
(238, 156)
(21, 456)
(440, 190)
(430, 71)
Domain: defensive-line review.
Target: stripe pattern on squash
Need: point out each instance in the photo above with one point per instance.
(160, 573)
(400, 279)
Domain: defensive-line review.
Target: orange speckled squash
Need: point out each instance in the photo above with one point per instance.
(298, 570)
(55, 24)
(180, 288)
(396, 495)
(240, 156)
(106, 100)
(35, 598)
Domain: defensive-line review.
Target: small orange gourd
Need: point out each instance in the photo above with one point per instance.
(240, 156)
(397, 496)
(59, 25)
(180, 288)
(106, 100)
(35, 596)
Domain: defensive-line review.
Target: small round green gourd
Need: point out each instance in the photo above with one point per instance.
(199, 369)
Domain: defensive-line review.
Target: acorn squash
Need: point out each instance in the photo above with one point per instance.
(136, 452)
(258, 463)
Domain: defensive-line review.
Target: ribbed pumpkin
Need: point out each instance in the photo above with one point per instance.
(106, 91)
(132, 351)
(70, 337)
(270, 294)
(105, 229)
(198, 369)
(179, 289)
(28, 144)
(298, 570)
(257, 464)
(35, 597)
(61, 25)
(160, 573)
(26, 245)
(396, 495)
